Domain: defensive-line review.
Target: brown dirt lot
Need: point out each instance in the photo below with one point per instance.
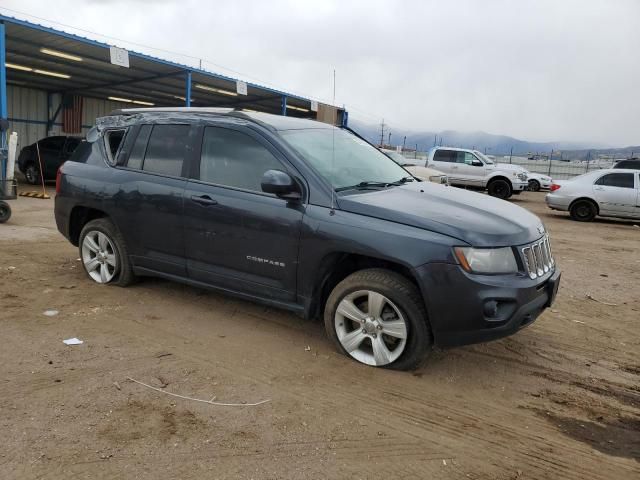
(560, 399)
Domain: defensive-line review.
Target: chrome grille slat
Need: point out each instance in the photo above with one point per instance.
(537, 258)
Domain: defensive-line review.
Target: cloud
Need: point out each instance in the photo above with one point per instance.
(540, 70)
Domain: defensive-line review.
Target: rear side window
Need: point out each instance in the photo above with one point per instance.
(166, 149)
(137, 152)
(622, 180)
(445, 156)
(234, 159)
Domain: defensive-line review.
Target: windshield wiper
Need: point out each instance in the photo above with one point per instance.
(364, 185)
(367, 184)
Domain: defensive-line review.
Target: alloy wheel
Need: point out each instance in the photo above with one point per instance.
(99, 256)
(371, 328)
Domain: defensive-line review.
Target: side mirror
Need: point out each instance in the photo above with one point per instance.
(477, 163)
(280, 184)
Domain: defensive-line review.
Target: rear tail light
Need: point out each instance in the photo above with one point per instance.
(58, 179)
(554, 187)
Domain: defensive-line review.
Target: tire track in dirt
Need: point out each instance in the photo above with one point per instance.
(416, 423)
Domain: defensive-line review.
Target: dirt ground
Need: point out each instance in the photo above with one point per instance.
(559, 400)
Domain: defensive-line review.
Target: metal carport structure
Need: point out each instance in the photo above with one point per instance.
(42, 69)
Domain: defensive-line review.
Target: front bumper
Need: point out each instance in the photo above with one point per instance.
(519, 185)
(465, 308)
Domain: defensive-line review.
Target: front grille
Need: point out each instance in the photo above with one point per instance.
(537, 258)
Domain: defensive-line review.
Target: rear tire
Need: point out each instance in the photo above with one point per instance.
(583, 211)
(101, 243)
(5, 212)
(499, 188)
(31, 174)
(534, 186)
(400, 329)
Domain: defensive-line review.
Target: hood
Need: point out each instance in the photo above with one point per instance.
(508, 167)
(476, 219)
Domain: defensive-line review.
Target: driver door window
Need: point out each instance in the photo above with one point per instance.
(234, 159)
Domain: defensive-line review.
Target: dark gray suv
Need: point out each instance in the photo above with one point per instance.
(307, 217)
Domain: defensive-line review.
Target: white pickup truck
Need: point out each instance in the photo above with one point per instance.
(472, 169)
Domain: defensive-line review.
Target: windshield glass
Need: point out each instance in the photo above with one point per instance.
(483, 157)
(342, 158)
(397, 157)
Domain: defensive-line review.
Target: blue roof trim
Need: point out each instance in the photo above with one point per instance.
(96, 43)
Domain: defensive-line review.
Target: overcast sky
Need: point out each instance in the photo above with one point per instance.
(537, 70)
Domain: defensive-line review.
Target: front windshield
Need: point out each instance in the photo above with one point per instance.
(484, 158)
(342, 158)
(397, 157)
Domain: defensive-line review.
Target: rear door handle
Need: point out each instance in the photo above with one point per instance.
(204, 200)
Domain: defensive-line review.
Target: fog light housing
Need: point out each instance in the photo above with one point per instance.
(490, 309)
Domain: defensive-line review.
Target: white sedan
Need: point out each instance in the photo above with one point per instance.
(607, 193)
(538, 181)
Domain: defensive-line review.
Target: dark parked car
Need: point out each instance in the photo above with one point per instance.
(54, 151)
(632, 163)
(308, 217)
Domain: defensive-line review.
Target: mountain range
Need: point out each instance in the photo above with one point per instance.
(487, 142)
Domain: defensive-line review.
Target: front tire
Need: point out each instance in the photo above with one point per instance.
(499, 188)
(583, 211)
(534, 186)
(104, 254)
(377, 317)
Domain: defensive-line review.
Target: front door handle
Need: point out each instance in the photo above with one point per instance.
(204, 200)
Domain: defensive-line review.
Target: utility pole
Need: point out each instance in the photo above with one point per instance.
(416, 155)
(588, 159)
(511, 154)
(382, 125)
(550, 159)
(404, 142)
(389, 143)
(435, 140)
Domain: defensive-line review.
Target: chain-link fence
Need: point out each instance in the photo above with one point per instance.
(557, 169)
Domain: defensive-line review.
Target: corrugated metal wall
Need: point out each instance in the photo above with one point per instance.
(27, 109)
(30, 107)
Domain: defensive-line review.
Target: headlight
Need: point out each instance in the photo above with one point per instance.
(487, 260)
(522, 176)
